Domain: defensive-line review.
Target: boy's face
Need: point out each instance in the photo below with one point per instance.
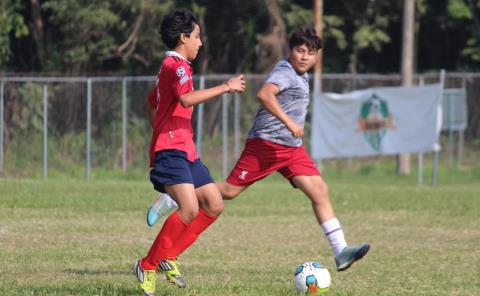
(192, 43)
(302, 58)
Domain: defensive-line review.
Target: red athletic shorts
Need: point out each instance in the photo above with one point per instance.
(260, 158)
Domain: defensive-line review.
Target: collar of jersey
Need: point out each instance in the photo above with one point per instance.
(172, 53)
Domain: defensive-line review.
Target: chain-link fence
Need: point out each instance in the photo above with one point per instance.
(93, 126)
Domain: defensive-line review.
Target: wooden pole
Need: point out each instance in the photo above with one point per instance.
(317, 78)
(318, 20)
(403, 160)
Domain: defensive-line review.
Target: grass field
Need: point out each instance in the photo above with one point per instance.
(76, 237)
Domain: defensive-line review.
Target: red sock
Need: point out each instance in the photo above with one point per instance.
(161, 247)
(192, 231)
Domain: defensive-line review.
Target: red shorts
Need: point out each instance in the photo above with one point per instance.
(260, 158)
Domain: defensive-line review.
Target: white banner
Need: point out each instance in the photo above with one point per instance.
(384, 120)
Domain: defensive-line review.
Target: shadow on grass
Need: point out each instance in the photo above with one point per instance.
(98, 272)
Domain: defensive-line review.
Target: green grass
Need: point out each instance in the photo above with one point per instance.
(76, 237)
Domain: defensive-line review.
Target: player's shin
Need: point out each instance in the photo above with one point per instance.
(193, 231)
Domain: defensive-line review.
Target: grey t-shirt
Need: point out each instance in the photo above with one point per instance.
(293, 97)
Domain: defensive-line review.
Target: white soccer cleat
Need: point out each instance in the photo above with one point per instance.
(163, 205)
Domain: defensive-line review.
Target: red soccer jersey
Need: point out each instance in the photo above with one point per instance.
(173, 123)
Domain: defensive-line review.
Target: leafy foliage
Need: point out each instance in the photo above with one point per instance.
(458, 9)
(27, 110)
(102, 36)
(110, 33)
(12, 26)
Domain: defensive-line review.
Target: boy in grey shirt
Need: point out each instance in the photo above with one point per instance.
(293, 97)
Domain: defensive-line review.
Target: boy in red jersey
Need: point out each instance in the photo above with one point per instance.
(275, 144)
(176, 168)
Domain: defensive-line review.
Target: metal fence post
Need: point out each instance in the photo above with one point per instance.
(435, 167)
(1, 126)
(461, 132)
(354, 87)
(436, 150)
(236, 126)
(45, 131)
(88, 164)
(317, 91)
(461, 143)
(451, 139)
(225, 134)
(124, 125)
(421, 82)
(420, 169)
(200, 120)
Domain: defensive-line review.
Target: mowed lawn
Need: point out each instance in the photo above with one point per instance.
(77, 237)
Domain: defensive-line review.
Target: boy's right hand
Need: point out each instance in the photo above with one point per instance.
(237, 84)
(295, 129)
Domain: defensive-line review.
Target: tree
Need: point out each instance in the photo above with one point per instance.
(468, 10)
(272, 46)
(37, 29)
(114, 33)
(79, 37)
(11, 23)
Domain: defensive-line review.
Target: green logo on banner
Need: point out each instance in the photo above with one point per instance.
(374, 121)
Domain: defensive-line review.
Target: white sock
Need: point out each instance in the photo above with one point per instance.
(335, 235)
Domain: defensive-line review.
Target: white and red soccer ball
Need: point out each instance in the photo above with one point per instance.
(312, 278)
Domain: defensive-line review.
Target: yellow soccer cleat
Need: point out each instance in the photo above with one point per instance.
(147, 279)
(172, 272)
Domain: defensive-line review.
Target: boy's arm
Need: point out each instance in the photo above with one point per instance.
(149, 107)
(236, 84)
(267, 95)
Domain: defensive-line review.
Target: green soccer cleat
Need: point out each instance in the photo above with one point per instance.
(349, 255)
(147, 279)
(172, 273)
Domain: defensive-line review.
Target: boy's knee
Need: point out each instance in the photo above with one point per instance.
(216, 209)
(213, 208)
(229, 193)
(188, 215)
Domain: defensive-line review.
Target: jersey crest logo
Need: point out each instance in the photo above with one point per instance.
(243, 175)
(181, 72)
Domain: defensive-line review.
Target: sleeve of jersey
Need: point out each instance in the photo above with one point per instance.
(281, 78)
(152, 97)
(181, 80)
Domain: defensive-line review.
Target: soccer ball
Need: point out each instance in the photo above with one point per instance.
(312, 278)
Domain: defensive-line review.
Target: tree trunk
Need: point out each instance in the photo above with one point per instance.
(36, 27)
(403, 160)
(204, 58)
(318, 17)
(272, 46)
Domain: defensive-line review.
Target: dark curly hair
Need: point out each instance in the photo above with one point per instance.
(175, 23)
(305, 35)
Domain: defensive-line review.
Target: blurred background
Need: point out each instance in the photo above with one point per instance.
(75, 74)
